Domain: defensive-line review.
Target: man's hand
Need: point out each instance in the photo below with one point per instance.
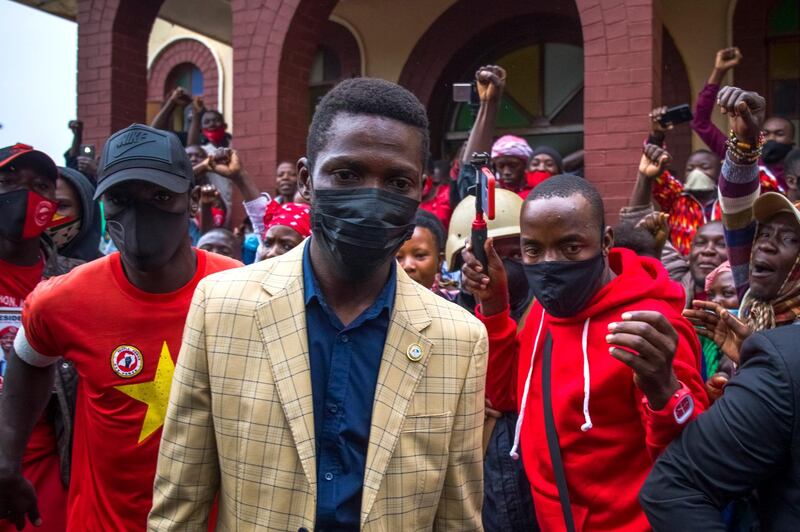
(87, 166)
(657, 224)
(715, 386)
(646, 342)
(745, 110)
(491, 82)
(209, 194)
(18, 501)
(727, 58)
(654, 160)
(76, 126)
(720, 326)
(198, 105)
(180, 97)
(226, 162)
(490, 290)
(657, 130)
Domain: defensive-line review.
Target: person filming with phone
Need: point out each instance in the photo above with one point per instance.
(606, 335)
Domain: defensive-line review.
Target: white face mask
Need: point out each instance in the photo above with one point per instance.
(698, 180)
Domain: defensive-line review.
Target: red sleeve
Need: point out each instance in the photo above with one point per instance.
(661, 427)
(769, 183)
(501, 376)
(666, 191)
(702, 124)
(37, 319)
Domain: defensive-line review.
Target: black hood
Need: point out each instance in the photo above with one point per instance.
(86, 245)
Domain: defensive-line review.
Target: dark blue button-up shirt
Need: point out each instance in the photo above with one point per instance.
(344, 372)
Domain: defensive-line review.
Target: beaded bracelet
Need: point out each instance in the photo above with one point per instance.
(742, 151)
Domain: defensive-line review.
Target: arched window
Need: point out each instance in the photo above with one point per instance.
(542, 102)
(783, 37)
(190, 77)
(326, 71)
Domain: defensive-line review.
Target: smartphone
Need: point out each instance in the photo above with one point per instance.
(466, 93)
(676, 115)
(87, 150)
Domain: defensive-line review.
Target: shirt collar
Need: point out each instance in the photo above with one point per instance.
(385, 299)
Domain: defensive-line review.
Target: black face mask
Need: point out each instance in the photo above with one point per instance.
(774, 151)
(565, 287)
(519, 292)
(361, 228)
(147, 236)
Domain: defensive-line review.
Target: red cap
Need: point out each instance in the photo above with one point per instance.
(25, 154)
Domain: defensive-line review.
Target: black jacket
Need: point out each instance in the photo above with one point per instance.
(749, 439)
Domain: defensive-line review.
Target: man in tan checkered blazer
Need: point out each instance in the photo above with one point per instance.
(245, 422)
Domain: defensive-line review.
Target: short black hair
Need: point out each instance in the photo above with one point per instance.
(638, 240)
(213, 112)
(366, 96)
(791, 164)
(429, 221)
(787, 120)
(566, 185)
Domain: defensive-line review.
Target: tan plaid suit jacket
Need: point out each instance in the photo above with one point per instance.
(240, 418)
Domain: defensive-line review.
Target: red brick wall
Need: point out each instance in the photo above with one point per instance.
(179, 52)
(273, 46)
(112, 64)
(622, 64)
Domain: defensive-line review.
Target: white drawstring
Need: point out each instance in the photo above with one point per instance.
(514, 449)
(587, 425)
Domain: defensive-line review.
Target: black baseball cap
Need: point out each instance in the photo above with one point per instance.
(24, 155)
(142, 153)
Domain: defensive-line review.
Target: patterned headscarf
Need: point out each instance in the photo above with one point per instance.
(716, 272)
(295, 216)
(511, 146)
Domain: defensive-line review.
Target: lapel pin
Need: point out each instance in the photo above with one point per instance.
(414, 353)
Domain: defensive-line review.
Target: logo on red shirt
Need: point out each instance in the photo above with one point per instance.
(126, 361)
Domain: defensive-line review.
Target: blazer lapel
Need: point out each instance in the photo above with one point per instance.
(281, 323)
(398, 378)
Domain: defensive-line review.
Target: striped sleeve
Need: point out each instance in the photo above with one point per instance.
(739, 187)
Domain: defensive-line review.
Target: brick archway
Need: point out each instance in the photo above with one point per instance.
(452, 53)
(273, 47)
(622, 77)
(179, 52)
(112, 64)
(675, 90)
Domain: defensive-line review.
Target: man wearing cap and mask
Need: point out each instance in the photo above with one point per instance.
(324, 389)
(604, 372)
(27, 205)
(119, 320)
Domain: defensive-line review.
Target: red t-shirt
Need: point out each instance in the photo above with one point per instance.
(124, 343)
(40, 463)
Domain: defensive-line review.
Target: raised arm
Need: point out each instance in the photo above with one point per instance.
(739, 181)
(725, 60)
(195, 124)
(162, 119)
(652, 164)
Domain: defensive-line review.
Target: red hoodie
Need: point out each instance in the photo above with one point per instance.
(605, 466)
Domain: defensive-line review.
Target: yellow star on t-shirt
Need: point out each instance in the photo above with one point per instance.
(154, 393)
